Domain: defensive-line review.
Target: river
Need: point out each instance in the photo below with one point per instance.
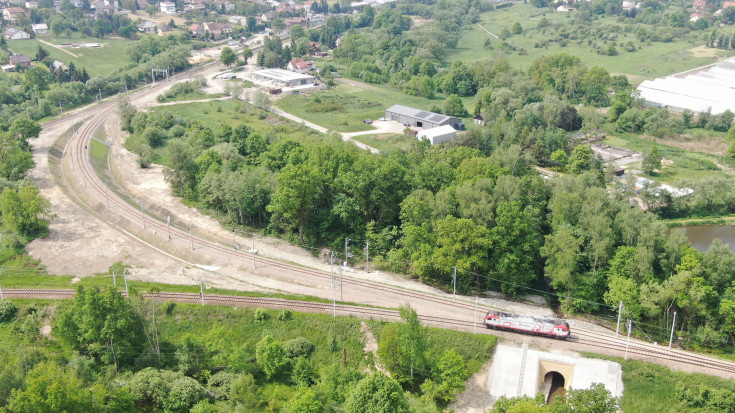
(701, 236)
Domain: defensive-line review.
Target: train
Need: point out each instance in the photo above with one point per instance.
(548, 327)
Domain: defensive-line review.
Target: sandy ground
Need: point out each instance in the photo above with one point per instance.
(476, 397)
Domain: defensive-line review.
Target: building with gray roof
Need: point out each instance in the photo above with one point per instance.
(420, 118)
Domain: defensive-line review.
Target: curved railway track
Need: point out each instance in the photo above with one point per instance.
(96, 187)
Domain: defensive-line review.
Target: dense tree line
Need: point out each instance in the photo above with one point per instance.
(109, 353)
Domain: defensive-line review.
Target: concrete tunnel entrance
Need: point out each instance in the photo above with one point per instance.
(554, 384)
(554, 378)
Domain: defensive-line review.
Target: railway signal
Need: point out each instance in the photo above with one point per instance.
(620, 310)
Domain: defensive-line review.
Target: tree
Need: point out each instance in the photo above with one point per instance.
(516, 241)
(295, 196)
(376, 393)
(102, 325)
(651, 161)
(595, 83)
(41, 53)
(269, 356)
(450, 378)
(25, 128)
(581, 160)
(517, 29)
(403, 348)
(305, 402)
(561, 252)
(560, 157)
(227, 57)
(453, 106)
(25, 211)
(50, 389)
(15, 157)
(152, 10)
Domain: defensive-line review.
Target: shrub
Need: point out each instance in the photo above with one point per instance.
(8, 310)
(260, 314)
(285, 315)
(298, 347)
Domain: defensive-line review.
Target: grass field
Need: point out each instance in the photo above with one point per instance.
(214, 114)
(650, 388)
(98, 61)
(651, 60)
(686, 164)
(387, 142)
(344, 107)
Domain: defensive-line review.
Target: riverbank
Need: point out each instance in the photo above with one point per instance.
(714, 220)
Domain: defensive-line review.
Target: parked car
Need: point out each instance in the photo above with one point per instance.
(368, 121)
(227, 76)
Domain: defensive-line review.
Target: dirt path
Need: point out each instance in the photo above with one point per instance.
(57, 47)
(355, 83)
(371, 346)
(488, 31)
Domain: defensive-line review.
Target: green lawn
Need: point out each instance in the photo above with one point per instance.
(98, 61)
(651, 60)
(344, 107)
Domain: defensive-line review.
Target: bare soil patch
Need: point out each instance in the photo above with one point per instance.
(702, 51)
(707, 144)
(476, 397)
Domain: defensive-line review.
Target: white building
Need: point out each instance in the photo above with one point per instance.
(438, 135)
(14, 34)
(39, 28)
(283, 78)
(148, 27)
(168, 7)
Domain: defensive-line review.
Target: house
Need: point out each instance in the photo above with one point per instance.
(229, 7)
(8, 68)
(298, 66)
(728, 4)
(438, 135)
(196, 29)
(700, 4)
(20, 59)
(420, 118)
(164, 30)
(14, 34)
(142, 4)
(267, 16)
(148, 27)
(695, 16)
(565, 8)
(57, 65)
(308, 6)
(168, 7)
(31, 4)
(628, 5)
(479, 120)
(40, 28)
(296, 21)
(12, 14)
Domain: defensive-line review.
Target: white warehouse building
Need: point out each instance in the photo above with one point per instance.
(440, 134)
(712, 89)
(283, 78)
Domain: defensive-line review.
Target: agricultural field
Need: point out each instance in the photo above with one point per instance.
(98, 61)
(649, 60)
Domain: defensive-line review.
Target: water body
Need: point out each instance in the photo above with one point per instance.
(701, 236)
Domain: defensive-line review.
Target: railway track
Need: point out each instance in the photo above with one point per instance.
(95, 186)
(643, 351)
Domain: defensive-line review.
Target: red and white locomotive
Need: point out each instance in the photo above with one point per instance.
(527, 324)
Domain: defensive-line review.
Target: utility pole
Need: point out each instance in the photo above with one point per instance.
(114, 279)
(620, 310)
(454, 282)
(234, 244)
(673, 328)
(340, 285)
(347, 256)
(125, 278)
(201, 288)
(142, 214)
(627, 343)
(253, 250)
(191, 236)
(334, 296)
(475, 330)
(168, 226)
(367, 256)
(1, 294)
(107, 195)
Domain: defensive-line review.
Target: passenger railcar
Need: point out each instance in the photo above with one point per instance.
(527, 324)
